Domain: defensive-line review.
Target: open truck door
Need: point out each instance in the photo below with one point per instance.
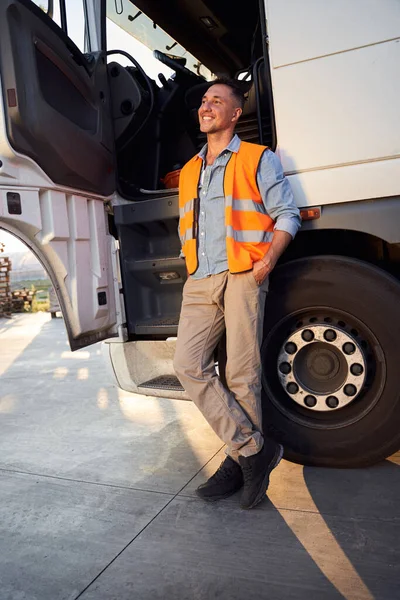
(57, 163)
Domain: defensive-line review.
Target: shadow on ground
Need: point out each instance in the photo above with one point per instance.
(97, 498)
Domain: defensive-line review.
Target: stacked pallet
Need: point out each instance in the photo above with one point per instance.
(5, 291)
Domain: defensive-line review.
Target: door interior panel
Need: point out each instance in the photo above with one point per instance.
(55, 99)
(57, 85)
(152, 272)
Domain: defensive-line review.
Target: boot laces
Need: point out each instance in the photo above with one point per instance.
(247, 471)
(224, 473)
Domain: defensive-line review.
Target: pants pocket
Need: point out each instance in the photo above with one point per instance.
(251, 277)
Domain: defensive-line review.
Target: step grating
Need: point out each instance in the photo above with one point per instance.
(166, 322)
(163, 382)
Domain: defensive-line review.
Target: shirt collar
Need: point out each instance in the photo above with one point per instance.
(233, 146)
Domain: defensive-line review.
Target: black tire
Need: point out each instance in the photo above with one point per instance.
(53, 315)
(364, 300)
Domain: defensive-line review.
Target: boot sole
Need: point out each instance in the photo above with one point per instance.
(273, 464)
(219, 497)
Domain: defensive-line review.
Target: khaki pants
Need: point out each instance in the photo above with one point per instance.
(209, 306)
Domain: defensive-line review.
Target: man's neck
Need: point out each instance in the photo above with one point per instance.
(216, 142)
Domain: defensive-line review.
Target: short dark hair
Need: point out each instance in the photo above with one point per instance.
(237, 90)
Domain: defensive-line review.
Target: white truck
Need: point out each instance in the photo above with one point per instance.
(86, 144)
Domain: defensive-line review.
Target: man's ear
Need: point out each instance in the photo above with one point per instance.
(237, 113)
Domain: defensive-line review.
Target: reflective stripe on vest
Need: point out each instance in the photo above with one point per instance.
(249, 229)
(249, 236)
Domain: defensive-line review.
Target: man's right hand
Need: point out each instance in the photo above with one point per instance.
(261, 271)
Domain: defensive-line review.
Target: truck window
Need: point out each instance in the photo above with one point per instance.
(140, 35)
(70, 16)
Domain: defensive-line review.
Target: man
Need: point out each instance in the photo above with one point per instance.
(237, 216)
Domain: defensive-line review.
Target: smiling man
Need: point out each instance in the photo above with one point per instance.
(237, 216)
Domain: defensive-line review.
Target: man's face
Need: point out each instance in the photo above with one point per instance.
(219, 110)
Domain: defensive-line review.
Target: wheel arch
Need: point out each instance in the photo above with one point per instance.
(366, 230)
(29, 242)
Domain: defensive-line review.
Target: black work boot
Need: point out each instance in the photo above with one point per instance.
(256, 471)
(225, 482)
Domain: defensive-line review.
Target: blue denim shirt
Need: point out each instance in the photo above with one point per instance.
(274, 189)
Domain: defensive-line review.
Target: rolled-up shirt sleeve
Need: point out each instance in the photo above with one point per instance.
(277, 194)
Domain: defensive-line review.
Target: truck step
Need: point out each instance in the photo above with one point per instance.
(163, 382)
(163, 326)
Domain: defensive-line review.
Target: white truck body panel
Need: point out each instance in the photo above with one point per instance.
(313, 29)
(335, 76)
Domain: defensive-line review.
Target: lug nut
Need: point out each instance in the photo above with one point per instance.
(332, 402)
(356, 369)
(291, 348)
(330, 335)
(350, 389)
(292, 388)
(349, 348)
(307, 335)
(310, 401)
(285, 368)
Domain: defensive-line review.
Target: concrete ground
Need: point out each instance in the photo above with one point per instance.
(97, 497)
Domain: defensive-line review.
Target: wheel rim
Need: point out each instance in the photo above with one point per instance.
(334, 370)
(322, 367)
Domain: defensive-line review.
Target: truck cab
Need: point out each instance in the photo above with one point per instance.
(92, 138)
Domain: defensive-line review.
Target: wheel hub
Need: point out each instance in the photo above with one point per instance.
(321, 367)
(324, 365)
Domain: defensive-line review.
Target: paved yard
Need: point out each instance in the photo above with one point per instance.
(97, 497)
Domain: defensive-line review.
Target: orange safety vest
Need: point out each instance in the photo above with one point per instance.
(249, 228)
